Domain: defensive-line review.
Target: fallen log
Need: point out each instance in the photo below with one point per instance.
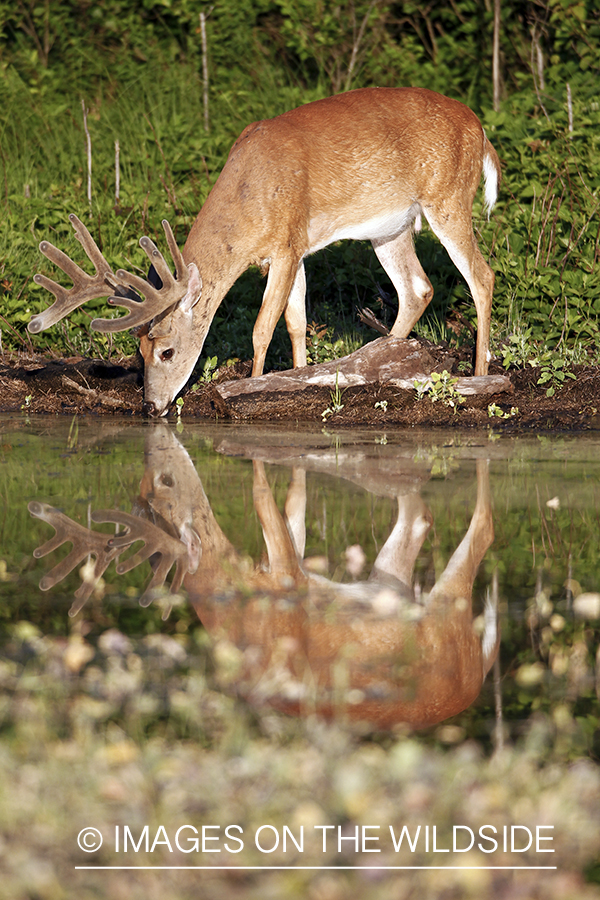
(392, 361)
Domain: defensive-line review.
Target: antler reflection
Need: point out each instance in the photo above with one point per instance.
(105, 548)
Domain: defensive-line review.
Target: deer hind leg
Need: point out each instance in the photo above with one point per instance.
(456, 234)
(396, 560)
(285, 290)
(457, 578)
(414, 289)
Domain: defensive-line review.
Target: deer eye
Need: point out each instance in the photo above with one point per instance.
(167, 354)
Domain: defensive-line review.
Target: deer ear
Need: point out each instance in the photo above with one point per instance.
(160, 327)
(194, 290)
(190, 537)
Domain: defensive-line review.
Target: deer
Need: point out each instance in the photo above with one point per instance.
(366, 164)
(368, 650)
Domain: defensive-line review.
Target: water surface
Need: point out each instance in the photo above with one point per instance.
(236, 591)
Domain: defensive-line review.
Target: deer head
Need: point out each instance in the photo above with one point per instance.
(162, 320)
(169, 346)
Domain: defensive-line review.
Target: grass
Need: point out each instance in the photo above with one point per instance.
(542, 239)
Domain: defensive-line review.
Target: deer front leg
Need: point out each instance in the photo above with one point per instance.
(284, 566)
(295, 510)
(395, 561)
(284, 284)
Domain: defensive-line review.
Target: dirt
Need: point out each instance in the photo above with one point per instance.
(86, 387)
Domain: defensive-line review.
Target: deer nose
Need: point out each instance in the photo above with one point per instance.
(148, 408)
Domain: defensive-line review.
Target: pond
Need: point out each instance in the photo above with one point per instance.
(253, 662)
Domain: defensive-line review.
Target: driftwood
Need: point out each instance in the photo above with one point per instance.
(387, 361)
(92, 395)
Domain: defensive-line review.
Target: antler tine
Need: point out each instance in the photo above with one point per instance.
(157, 300)
(180, 266)
(106, 548)
(170, 549)
(85, 287)
(85, 543)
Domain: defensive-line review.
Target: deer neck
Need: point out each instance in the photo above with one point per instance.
(218, 245)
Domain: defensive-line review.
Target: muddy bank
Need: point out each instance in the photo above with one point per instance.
(77, 386)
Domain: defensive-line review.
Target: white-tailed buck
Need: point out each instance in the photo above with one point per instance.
(367, 165)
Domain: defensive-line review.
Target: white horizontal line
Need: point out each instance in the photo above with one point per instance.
(312, 868)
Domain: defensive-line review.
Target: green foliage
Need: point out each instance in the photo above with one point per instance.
(323, 347)
(138, 70)
(496, 412)
(336, 400)
(440, 386)
(554, 375)
(333, 44)
(521, 350)
(209, 369)
(546, 226)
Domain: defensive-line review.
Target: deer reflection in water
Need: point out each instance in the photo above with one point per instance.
(368, 651)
